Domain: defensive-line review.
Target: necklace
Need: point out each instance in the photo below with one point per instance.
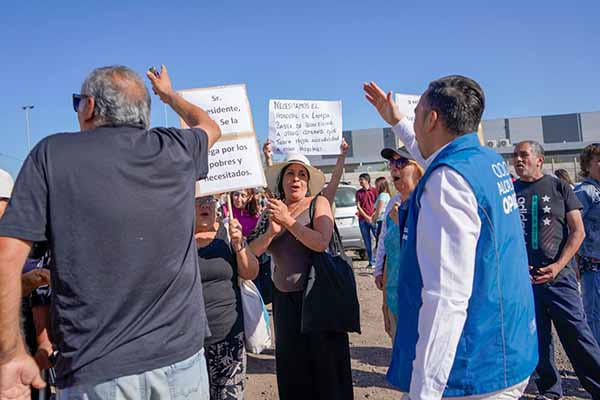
(292, 210)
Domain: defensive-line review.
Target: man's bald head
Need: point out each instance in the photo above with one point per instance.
(120, 97)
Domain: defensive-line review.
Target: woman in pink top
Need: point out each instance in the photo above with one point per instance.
(245, 209)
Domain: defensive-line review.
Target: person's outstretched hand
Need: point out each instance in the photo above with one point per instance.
(384, 103)
(17, 375)
(161, 84)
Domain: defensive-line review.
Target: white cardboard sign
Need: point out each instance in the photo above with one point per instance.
(406, 104)
(305, 126)
(234, 162)
(227, 105)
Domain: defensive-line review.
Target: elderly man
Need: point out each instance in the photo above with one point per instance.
(553, 229)
(468, 325)
(116, 203)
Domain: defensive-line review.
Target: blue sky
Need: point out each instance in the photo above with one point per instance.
(531, 57)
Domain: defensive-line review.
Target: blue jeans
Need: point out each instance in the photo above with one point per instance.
(187, 379)
(559, 304)
(366, 229)
(590, 287)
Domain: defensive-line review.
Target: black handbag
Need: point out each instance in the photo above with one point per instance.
(330, 301)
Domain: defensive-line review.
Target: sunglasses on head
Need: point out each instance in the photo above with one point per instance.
(399, 163)
(77, 99)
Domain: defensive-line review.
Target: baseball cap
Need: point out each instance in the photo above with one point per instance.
(388, 153)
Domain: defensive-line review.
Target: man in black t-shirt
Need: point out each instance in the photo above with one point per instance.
(116, 203)
(553, 228)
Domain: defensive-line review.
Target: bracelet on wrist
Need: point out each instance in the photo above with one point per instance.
(243, 245)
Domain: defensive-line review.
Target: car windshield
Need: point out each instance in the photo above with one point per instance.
(345, 197)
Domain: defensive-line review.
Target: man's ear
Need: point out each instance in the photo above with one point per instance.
(87, 108)
(431, 120)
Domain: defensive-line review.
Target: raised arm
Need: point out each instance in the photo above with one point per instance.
(268, 153)
(194, 116)
(336, 175)
(385, 105)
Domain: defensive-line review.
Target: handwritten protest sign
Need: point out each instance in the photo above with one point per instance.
(234, 161)
(307, 127)
(406, 104)
(227, 105)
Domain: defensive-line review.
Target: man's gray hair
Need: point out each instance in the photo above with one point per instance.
(536, 147)
(120, 96)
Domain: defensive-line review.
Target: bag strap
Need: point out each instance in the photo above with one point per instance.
(335, 244)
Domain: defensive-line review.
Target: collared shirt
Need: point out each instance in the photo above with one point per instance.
(448, 231)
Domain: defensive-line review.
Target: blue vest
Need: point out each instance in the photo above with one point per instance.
(498, 345)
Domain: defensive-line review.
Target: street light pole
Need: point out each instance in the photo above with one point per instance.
(27, 109)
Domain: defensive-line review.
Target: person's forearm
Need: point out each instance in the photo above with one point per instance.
(259, 245)
(12, 259)
(313, 239)
(574, 241)
(380, 253)
(247, 264)
(336, 177)
(361, 211)
(41, 321)
(195, 117)
(10, 301)
(404, 131)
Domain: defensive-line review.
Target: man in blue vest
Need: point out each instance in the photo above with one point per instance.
(468, 326)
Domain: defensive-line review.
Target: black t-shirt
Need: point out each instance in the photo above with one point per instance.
(543, 206)
(117, 206)
(218, 268)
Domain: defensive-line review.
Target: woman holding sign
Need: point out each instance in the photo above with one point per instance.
(315, 365)
(223, 256)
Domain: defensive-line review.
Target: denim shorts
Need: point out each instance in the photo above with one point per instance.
(187, 379)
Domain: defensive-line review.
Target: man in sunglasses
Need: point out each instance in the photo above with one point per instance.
(115, 201)
(467, 325)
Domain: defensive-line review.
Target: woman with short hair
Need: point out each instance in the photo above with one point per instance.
(405, 174)
(223, 257)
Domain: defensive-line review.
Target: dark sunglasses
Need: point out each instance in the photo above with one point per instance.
(77, 99)
(399, 163)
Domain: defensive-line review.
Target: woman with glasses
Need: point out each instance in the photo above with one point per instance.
(405, 174)
(588, 192)
(223, 256)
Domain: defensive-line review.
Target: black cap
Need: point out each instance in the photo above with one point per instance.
(388, 153)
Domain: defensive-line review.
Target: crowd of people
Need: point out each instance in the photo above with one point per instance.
(127, 278)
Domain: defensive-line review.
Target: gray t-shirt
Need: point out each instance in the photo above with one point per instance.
(117, 206)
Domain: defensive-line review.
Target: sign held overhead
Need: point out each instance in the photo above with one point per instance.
(305, 126)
